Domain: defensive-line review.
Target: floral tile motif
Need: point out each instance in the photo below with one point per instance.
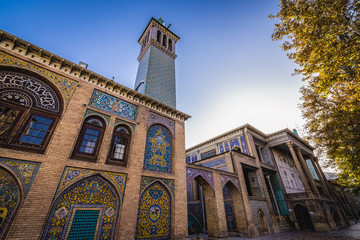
(72, 175)
(66, 86)
(154, 214)
(191, 173)
(113, 104)
(156, 118)
(146, 181)
(9, 200)
(224, 179)
(25, 170)
(214, 163)
(120, 121)
(91, 193)
(158, 149)
(90, 112)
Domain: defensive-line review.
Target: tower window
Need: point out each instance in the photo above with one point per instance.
(164, 40)
(170, 45)
(158, 38)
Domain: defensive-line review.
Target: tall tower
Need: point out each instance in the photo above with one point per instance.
(156, 73)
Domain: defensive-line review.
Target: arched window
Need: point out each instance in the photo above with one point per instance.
(170, 45)
(29, 110)
(120, 145)
(164, 40)
(158, 37)
(90, 137)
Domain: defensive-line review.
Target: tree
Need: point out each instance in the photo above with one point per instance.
(323, 38)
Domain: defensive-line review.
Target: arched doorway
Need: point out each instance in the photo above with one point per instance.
(88, 209)
(229, 210)
(9, 201)
(154, 214)
(303, 217)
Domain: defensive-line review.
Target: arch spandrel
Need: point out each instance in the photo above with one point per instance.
(93, 193)
(192, 173)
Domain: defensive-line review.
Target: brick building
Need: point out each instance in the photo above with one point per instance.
(83, 157)
(261, 183)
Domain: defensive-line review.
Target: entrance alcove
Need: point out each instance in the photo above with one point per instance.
(303, 217)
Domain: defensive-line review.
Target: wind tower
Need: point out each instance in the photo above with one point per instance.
(156, 72)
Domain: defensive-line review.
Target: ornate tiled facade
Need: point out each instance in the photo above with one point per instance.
(111, 104)
(158, 150)
(9, 201)
(25, 170)
(156, 118)
(72, 175)
(66, 85)
(154, 214)
(92, 193)
(146, 181)
(191, 173)
(225, 179)
(214, 163)
(120, 121)
(90, 112)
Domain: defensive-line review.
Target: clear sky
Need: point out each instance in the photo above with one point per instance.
(228, 71)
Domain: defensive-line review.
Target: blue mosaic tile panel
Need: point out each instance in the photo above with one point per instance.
(114, 105)
(158, 149)
(214, 163)
(192, 173)
(227, 147)
(225, 179)
(194, 158)
(208, 154)
(243, 144)
(195, 215)
(221, 148)
(154, 214)
(234, 142)
(188, 159)
(224, 168)
(230, 216)
(156, 118)
(226, 193)
(25, 170)
(93, 193)
(120, 121)
(189, 192)
(90, 112)
(9, 201)
(160, 83)
(146, 181)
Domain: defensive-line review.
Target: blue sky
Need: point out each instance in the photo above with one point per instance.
(228, 71)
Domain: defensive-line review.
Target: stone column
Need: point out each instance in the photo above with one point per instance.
(307, 172)
(273, 194)
(298, 166)
(252, 230)
(324, 177)
(322, 181)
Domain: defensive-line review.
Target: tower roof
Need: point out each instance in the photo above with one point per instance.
(161, 26)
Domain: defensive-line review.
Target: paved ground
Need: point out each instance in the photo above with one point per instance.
(350, 233)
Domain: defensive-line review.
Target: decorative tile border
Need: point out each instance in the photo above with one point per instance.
(113, 104)
(66, 86)
(25, 170)
(214, 163)
(146, 181)
(72, 175)
(224, 179)
(191, 173)
(155, 118)
(92, 112)
(120, 121)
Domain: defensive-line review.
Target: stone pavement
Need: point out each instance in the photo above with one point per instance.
(350, 233)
